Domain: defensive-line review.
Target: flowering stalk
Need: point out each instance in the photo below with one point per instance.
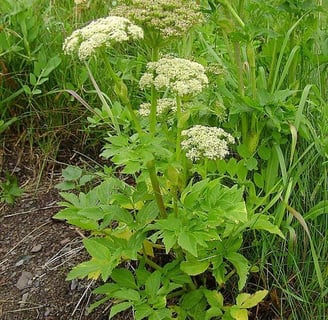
(153, 108)
(179, 129)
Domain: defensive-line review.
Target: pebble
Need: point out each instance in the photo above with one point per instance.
(22, 261)
(23, 281)
(64, 241)
(36, 248)
(24, 299)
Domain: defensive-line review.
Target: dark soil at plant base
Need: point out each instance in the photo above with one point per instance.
(37, 252)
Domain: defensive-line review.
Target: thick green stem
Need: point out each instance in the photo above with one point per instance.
(156, 188)
(252, 66)
(153, 101)
(179, 129)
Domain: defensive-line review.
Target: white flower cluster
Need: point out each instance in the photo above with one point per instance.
(206, 142)
(170, 18)
(183, 77)
(101, 32)
(163, 105)
(79, 2)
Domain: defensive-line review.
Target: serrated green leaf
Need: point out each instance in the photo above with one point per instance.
(65, 185)
(126, 294)
(83, 270)
(214, 298)
(83, 223)
(213, 312)
(142, 311)
(67, 214)
(72, 173)
(241, 265)
(188, 242)
(169, 240)
(192, 298)
(153, 283)
(124, 278)
(250, 300)
(71, 197)
(96, 249)
(85, 179)
(92, 213)
(195, 267)
(117, 308)
(261, 222)
(239, 314)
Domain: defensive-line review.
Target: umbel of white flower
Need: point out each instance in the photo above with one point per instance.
(99, 33)
(183, 77)
(163, 105)
(206, 142)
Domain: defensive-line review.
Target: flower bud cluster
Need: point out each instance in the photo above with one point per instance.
(206, 142)
(170, 18)
(163, 105)
(99, 33)
(183, 77)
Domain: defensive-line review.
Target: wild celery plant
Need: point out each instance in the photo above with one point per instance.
(165, 242)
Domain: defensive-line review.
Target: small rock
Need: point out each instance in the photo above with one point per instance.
(23, 280)
(47, 312)
(24, 299)
(65, 241)
(22, 261)
(74, 284)
(36, 248)
(36, 283)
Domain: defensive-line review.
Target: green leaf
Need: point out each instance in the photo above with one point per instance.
(264, 152)
(194, 268)
(126, 294)
(67, 214)
(117, 308)
(213, 313)
(83, 270)
(239, 314)
(97, 250)
(261, 222)
(241, 265)
(124, 278)
(259, 180)
(85, 179)
(188, 242)
(72, 173)
(169, 239)
(251, 164)
(92, 213)
(142, 311)
(32, 79)
(245, 300)
(214, 298)
(153, 284)
(66, 185)
(192, 298)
